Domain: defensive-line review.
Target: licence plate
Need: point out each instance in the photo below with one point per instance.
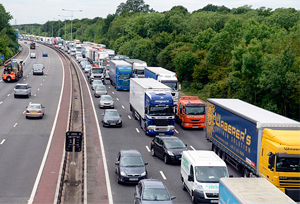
(21, 91)
(133, 179)
(113, 123)
(161, 133)
(214, 201)
(195, 126)
(33, 111)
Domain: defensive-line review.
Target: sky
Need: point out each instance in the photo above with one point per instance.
(41, 11)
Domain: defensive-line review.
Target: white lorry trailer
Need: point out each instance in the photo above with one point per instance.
(138, 67)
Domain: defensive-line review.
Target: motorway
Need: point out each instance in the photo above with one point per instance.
(23, 142)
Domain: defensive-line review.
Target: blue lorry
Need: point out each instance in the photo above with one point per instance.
(120, 73)
(151, 103)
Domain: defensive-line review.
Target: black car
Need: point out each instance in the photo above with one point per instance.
(150, 191)
(169, 148)
(111, 117)
(130, 167)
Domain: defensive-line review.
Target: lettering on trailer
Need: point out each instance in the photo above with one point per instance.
(236, 134)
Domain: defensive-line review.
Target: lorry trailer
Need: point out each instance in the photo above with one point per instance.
(255, 141)
(151, 103)
(138, 67)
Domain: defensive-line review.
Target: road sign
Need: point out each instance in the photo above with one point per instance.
(2, 57)
(75, 136)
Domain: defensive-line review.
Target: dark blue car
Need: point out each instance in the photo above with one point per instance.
(45, 54)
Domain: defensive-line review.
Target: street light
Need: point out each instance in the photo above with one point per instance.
(72, 19)
(65, 24)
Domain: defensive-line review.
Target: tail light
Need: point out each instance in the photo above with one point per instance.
(39, 111)
(27, 111)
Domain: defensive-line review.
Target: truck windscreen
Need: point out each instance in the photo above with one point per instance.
(124, 77)
(288, 164)
(195, 110)
(171, 84)
(161, 111)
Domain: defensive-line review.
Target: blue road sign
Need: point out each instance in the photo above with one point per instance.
(2, 57)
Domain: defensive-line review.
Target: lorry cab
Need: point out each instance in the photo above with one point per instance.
(200, 174)
(191, 112)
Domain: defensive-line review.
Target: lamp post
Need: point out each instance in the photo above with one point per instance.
(72, 20)
(65, 24)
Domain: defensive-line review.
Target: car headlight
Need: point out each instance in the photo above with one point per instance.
(119, 121)
(143, 174)
(170, 153)
(105, 121)
(123, 173)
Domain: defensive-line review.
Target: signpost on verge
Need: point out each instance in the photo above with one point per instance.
(73, 144)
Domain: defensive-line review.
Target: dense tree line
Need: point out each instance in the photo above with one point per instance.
(8, 40)
(245, 53)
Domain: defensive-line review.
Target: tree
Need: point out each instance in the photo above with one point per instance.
(184, 63)
(133, 6)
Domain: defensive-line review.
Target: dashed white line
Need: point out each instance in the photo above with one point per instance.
(43, 79)
(41, 84)
(113, 92)
(1, 102)
(163, 175)
(176, 131)
(27, 76)
(15, 124)
(192, 148)
(8, 94)
(117, 99)
(34, 94)
(38, 89)
(109, 87)
(0, 80)
(24, 112)
(148, 149)
(129, 117)
(24, 79)
(2, 141)
(123, 107)
(137, 130)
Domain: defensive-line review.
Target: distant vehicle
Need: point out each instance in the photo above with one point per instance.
(120, 73)
(96, 73)
(138, 67)
(130, 167)
(96, 83)
(87, 68)
(100, 90)
(35, 110)
(32, 55)
(83, 64)
(120, 57)
(22, 90)
(106, 101)
(38, 69)
(13, 70)
(168, 148)
(111, 117)
(152, 191)
(32, 45)
(45, 54)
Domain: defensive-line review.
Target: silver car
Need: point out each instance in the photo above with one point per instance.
(106, 101)
(22, 90)
(100, 90)
(87, 68)
(96, 83)
(35, 110)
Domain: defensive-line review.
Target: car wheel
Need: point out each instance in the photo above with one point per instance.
(118, 180)
(166, 159)
(153, 152)
(15, 96)
(26, 117)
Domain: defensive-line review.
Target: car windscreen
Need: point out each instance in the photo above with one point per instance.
(155, 194)
(106, 98)
(210, 174)
(174, 144)
(131, 161)
(111, 113)
(100, 88)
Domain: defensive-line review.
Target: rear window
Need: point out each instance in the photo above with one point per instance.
(21, 87)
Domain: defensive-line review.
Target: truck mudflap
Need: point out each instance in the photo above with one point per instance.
(160, 130)
(203, 197)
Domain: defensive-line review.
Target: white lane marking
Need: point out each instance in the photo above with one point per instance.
(113, 92)
(137, 130)
(27, 76)
(8, 94)
(129, 117)
(117, 99)
(176, 131)
(148, 149)
(43, 79)
(15, 124)
(2, 141)
(41, 84)
(24, 79)
(34, 94)
(123, 107)
(163, 175)
(24, 112)
(192, 148)
(0, 80)
(1, 102)
(38, 89)
(109, 87)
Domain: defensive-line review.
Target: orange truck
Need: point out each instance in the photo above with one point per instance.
(190, 112)
(13, 70)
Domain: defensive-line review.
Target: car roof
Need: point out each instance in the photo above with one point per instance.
(152, 183)
(34, 104)
(130, 152)
(22, 84)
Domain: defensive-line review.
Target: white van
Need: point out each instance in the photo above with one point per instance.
(32, 55)
(200, 174)
(38, 69)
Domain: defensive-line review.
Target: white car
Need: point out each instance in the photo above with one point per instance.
(87, 68)
(35, 110)
(106, 101)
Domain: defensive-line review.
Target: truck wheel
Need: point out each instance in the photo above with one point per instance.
(193, 198)
(183, 185)
(245, 173)
(8, 79)
(223, 156)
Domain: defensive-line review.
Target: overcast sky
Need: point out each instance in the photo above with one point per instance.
(41, 11)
